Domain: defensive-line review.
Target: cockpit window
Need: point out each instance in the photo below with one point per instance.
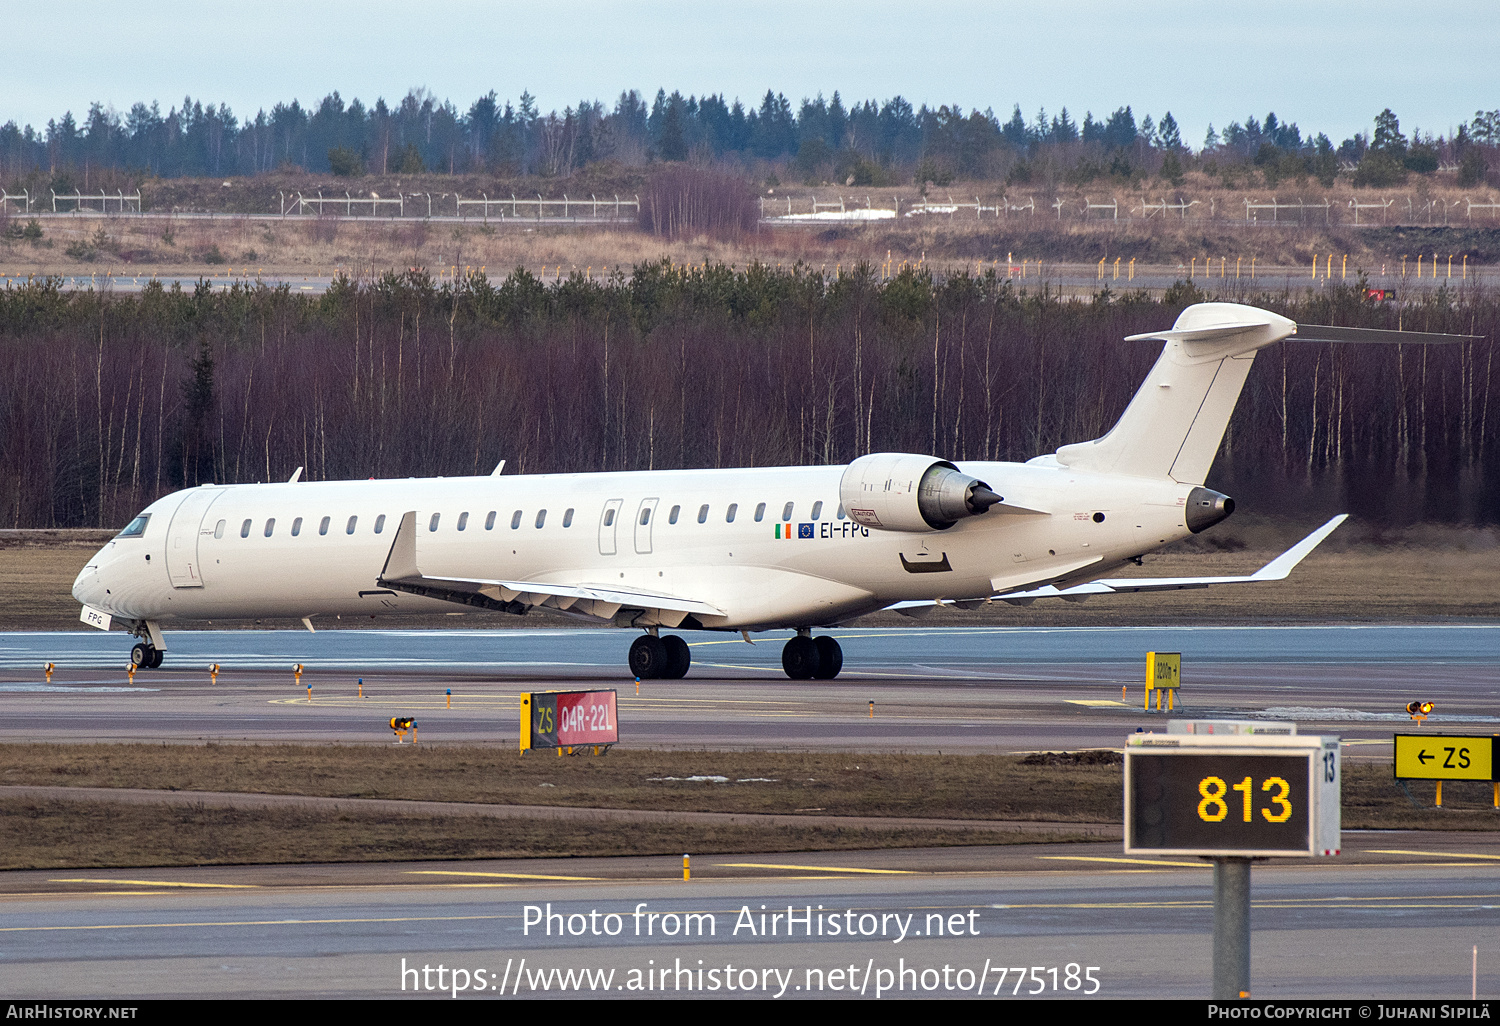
(136, 527)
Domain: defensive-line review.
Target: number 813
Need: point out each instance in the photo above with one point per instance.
(1214, 807)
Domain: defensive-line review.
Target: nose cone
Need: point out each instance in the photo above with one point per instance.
(87, 588)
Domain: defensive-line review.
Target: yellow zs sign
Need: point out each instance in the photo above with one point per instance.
(1444, 757)
(1214, 808)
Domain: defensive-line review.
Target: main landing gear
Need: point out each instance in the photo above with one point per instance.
(808, 658)
(663, 658)
(145, 656)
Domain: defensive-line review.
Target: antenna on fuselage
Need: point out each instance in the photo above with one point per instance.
(296, 476)
(498, 467)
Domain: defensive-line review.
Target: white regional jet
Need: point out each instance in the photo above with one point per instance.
(724, 550)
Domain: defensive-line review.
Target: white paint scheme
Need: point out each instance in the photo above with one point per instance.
(1064, 520)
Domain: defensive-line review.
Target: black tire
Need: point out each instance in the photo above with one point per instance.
(140, 655)
(799, 658)
(157, 655)
(678, 657)
(830, 657)
(648, 657)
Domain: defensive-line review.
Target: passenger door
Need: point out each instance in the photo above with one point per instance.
(183, 534)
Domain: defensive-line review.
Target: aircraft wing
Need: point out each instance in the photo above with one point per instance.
(1276, 570)
(401, 573)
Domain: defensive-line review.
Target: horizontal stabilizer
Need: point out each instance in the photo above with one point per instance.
(1378, 336)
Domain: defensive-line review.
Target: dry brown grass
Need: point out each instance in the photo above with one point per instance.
(59, 834)
(307, 246)
(923, 786)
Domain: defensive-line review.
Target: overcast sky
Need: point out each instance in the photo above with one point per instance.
(1327, 66)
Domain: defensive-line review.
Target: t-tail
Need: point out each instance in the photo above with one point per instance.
(1177, 418)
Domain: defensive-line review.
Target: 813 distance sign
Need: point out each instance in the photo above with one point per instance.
(1235, 795)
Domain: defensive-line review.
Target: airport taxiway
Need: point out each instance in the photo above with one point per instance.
(933, 689)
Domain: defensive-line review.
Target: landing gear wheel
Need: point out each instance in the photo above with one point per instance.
(157, 655)
(678, 657)
(141, 655)
(800, 658)
(648, 657)
(830, 656)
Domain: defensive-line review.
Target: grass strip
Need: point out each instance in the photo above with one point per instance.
(61, 834)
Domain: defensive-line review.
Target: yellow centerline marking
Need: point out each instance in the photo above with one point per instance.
(1094, 701)
(1136, 862)
(1428, 854)
(248, 922)
(145, 883)
(819, 869)
(509, 876)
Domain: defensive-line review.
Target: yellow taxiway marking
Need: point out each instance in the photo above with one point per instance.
(147, 883)
(250, 922)
(1429, 854)
(819, 869)
(1134, 862)
(509, 876)
(1093, 701)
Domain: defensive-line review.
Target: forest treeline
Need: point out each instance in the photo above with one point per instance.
(868, 142)
(108, 401)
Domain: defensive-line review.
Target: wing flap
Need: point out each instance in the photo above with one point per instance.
(401, 573)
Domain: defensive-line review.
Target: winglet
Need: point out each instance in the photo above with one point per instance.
(401, 563)
(1278, 568)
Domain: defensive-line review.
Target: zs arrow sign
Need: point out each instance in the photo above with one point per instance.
(1444, 757)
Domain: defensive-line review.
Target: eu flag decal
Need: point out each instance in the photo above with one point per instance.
(804, 530)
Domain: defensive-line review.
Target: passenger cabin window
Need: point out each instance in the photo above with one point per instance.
(841, 511)
(672, 516)
(760, 512)
(352, 522)
(296, 527)
(489, 521)
(245, 529)
(568, 517)
(136, 527)
(515, 520)
(609, 517)
(729, 514)
(432, 524)
(219, 529)
(379, 524)
(703, 514)
(270, 526)
(645, 516)
(463, 521)
(818, 509)
(541, 518)
(786, 512)
(323, 527)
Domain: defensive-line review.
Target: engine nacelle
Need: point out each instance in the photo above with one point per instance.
(897, 491)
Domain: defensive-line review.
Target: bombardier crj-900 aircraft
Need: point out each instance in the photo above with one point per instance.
(742, 550)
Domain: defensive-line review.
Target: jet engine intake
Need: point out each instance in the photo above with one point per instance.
(908, 492)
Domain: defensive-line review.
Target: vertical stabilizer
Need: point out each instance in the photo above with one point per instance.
(1174, 424)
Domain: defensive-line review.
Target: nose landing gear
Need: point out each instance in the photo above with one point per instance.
(807, 658)
(660, 658)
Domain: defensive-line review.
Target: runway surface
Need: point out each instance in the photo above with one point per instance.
(933, 689)
(1396, 916)
(1399, 925)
